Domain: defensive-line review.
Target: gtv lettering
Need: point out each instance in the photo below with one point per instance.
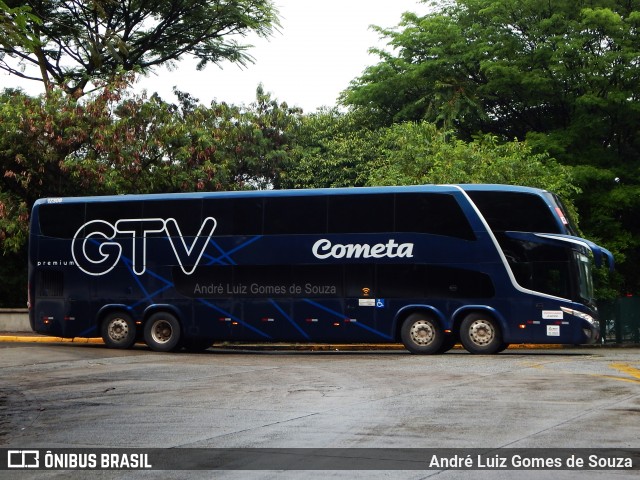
(95, 251)
(324, 249)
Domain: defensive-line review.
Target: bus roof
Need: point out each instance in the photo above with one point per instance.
(300, 192)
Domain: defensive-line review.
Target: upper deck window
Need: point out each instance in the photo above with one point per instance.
(515, 211)
(433, 213)
(426, 213)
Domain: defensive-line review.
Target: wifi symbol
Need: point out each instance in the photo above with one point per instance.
(365, 291)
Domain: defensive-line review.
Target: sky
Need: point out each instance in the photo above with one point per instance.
(322, 45)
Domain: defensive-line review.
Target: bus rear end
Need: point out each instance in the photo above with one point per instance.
(49, 296)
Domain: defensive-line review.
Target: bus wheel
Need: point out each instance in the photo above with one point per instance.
(479, 333)
(162, 332)
(118, 330)
(420, 333)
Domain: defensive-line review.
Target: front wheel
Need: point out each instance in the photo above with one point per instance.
(162, 332)
(421, 333)
(118, 330)
(480, 333)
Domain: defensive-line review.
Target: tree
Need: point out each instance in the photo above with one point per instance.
(420, 153)
(336, 149)
(511, 67)
(331, 149)
(562, 74)
(118, 143)
(70, 43)
(37, 136)
(152, 146)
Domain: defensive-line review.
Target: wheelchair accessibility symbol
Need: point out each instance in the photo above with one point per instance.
(380, 303)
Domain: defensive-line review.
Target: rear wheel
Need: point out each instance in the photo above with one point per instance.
(162, 332)
(422, 334)
(480, 333)
(118, 330)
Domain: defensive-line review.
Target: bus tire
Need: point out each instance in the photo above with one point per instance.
(480, 334)
(118, 330)
(162, 332)
(421, 334)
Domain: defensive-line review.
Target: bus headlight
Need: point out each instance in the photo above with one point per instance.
(581, 315)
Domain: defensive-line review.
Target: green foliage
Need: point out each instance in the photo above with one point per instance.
(36, 136)
(14, 26)
(114, 143)
(332, 149)
(70, 43)
(420, 153)
(335, 150)
(562, 74)
(154, 146)
(508, 67)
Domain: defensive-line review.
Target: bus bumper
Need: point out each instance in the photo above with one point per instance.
(589, 331)
(590, 335)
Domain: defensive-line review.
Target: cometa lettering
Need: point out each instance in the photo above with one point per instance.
(324, 249)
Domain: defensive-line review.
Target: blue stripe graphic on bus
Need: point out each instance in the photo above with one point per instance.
(289, 319)
(234, 318)
(213, 260)
(148, 297)
(88, 332)
(342, 316)
(227, 254)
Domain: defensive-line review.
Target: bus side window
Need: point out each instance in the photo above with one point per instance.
(235, 216)
(433, 213)
(61, 220)
(247, 216)
(360, 213)
(515, 211)
(186, 212)
(296, 215)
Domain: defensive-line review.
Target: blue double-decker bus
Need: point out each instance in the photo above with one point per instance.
(428, 266)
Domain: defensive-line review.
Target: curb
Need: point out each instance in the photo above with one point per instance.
(36, 338)
(43, 339)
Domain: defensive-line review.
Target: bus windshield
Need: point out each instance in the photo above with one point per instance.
(585, 278)
(557, 270)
